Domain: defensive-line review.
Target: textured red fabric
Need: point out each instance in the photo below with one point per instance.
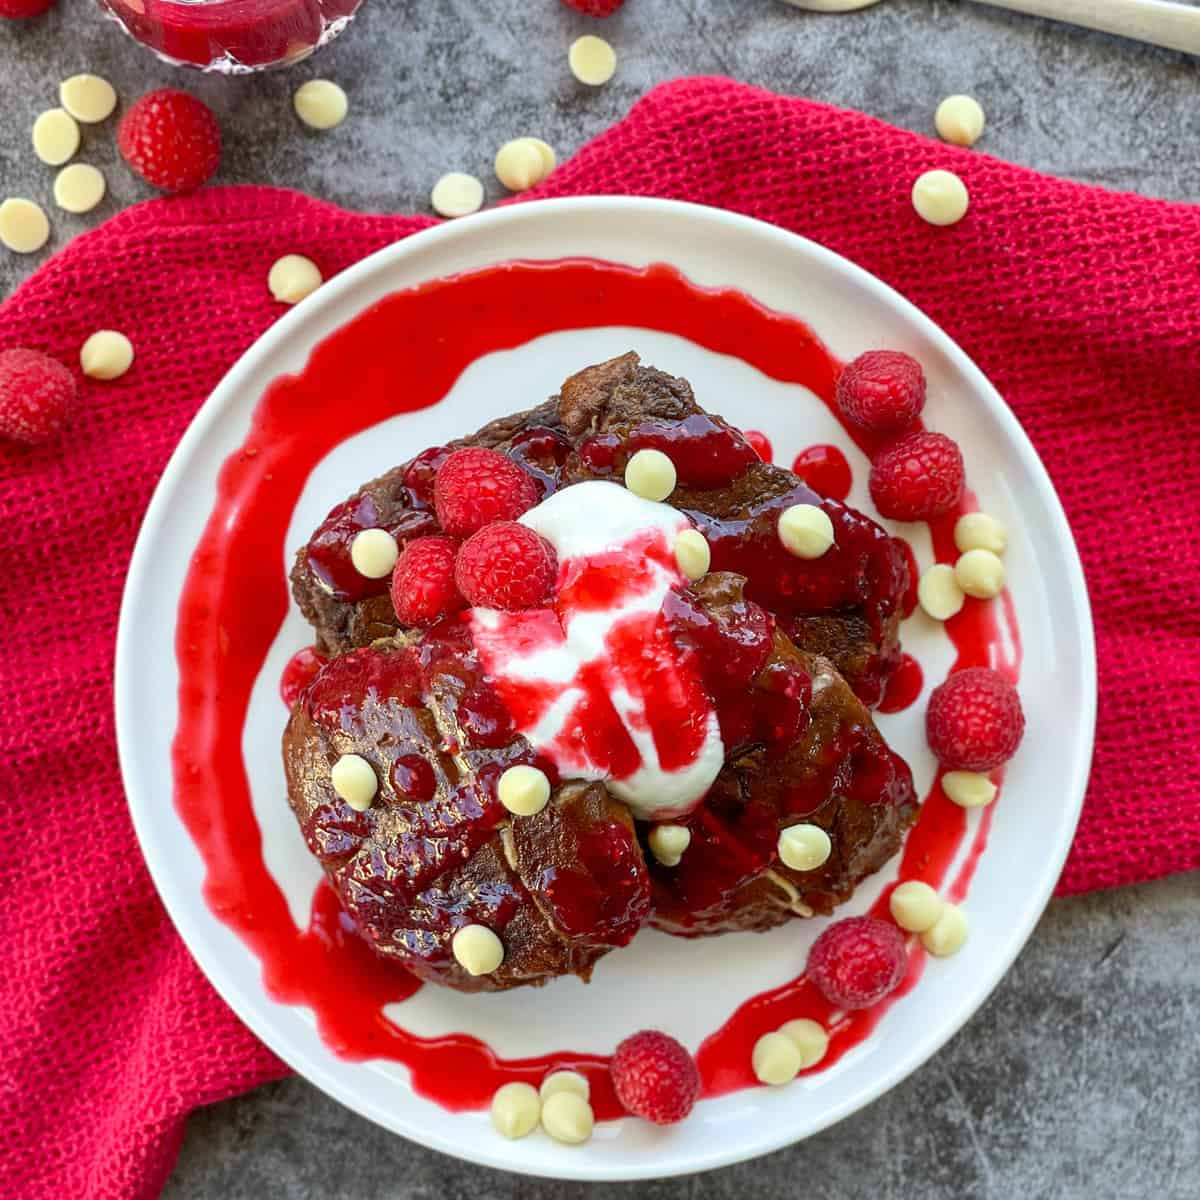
(1083, 306)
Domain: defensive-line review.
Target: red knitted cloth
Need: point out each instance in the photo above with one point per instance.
(1082, 306)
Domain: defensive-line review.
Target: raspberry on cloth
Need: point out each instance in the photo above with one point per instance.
(1083, 306)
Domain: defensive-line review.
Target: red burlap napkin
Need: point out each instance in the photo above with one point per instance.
(1082, 306)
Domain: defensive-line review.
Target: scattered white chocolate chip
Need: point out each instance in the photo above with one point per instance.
(948, 933)
(776, 1059)
(516, 1110)
(374, 552)
(915, 906)
(24, 227)
(523, 790)
(938, 592)
(293, 277)
(651, 475)
(693, 554)
(804, 847)
(520, 164)
(809, 1037)
(457, 195)
(549, 158)
(55, 136)
(565, 1081)
(353, 779)
(980, 573)
(320, 104)
(477, 949)
(969, 789)
(567, 1117)
(79, 188)
(668, 843)
(107, 354)
(940, 197)
(592, 60)
(959, 120)
(979, 531)
(88, 98)
(805, 530)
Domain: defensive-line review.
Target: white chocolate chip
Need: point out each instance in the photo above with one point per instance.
(565, 1081)
(809, 1037)
(457, 195)
(968, 789)
(938, 592)
(668, 843)
(949, 932)
(374, 552)
(353, 779)
(79, 188)
(549, 158)
(520, 164)
(915, 906)
(592, 60)
(320, 104)
(568, 1118)
(107, 354)
(293, 277)
(940, 197)
(805, 530)
(804, 847)
(776, 1059)
(477, 949)
(24, 227)
(959, 120)
(693, 554)
(523, 790)
(516, 1110)
(978, 531)
(980, 573)
(55, 136)
(651, 475)
(88, 98)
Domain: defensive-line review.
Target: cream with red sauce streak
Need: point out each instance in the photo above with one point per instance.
(222, 643)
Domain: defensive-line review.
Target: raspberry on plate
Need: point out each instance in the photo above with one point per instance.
(37, 394)
(506, 566)
(882, 391)
(857, 961)
(919, 477)
(423, 581)
(18, 10)
(655, 1077)
(594, 8)
(171, 140)
(974, 720)
(477, 486)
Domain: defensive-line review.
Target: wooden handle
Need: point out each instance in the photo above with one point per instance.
(1175, 26)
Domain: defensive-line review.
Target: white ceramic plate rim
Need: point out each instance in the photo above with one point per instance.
(252, 1005)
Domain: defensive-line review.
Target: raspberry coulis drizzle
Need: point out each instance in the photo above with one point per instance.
(222, 642)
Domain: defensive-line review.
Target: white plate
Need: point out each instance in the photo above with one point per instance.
(688, 988)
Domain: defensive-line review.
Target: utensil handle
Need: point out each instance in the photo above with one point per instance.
(1175, 26)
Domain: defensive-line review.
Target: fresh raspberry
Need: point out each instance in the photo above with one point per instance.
(594, 8)
(918, 477)
(36, 396)
(506, 566)
(974, 720)
(18, 10)
(882, 391)
(171, 140)
(655, 1077)
(475, 487)
(857, 961)
(423, 581)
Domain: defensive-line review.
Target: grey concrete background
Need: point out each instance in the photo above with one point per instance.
(1080, 1079)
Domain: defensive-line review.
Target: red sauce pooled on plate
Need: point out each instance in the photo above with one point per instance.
(222, 641)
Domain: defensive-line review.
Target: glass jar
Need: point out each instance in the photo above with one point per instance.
(232, 36)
